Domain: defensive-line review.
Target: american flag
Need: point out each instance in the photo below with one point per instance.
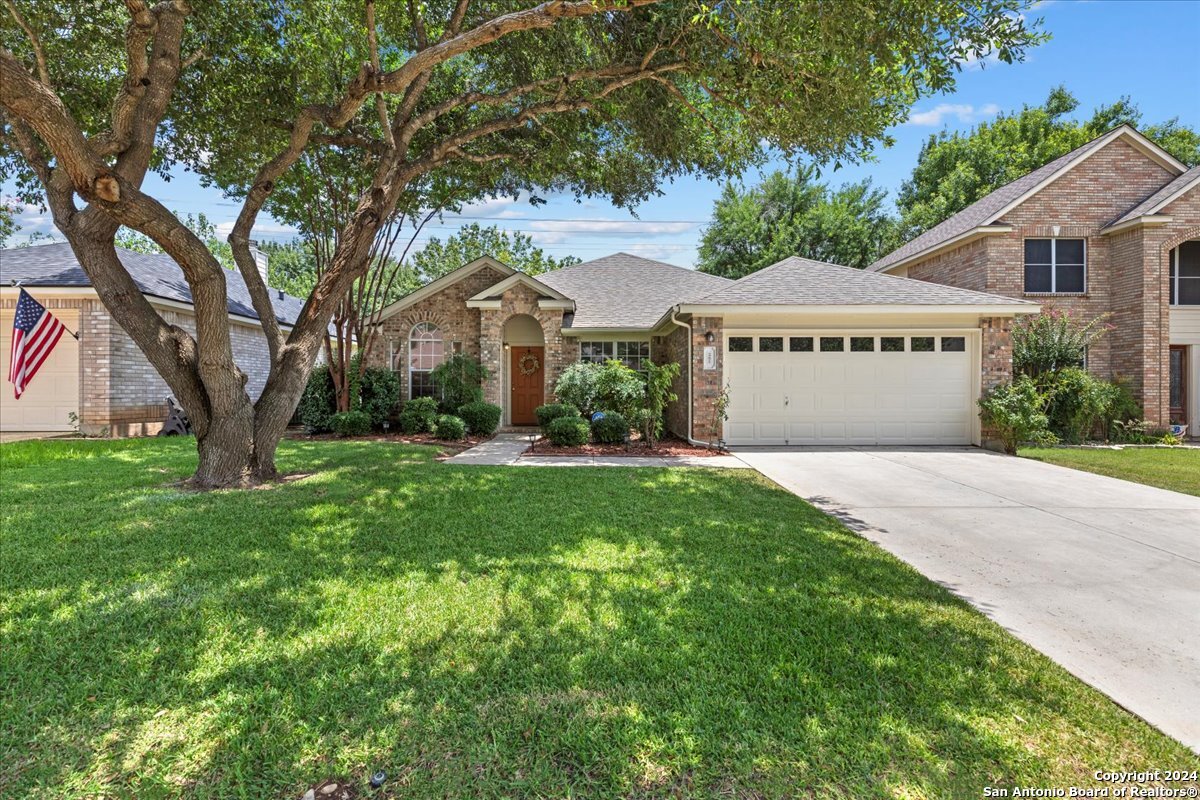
(35, 332)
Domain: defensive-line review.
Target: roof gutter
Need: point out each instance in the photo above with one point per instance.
(1146, 219)
(986, 309)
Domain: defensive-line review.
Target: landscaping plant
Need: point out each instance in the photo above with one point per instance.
(351, 423)
(450, 428)
(611, 428)
(1053, 340)
(660, 378)
(577, 386)
(1015, 412)
(619, 388)
(378, 394)
(460, 380)
(418, 415)
(568, 431)
(318, 403)
(1075, 401)
(552, 411)
(1123, 410)
(482, 418)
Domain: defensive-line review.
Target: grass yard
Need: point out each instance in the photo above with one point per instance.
(1177, 469)
(497, 632)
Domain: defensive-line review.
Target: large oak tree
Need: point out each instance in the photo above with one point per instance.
(595, 97)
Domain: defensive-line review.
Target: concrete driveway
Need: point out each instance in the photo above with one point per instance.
(1101, 575)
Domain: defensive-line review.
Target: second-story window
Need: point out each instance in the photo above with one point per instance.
(1055, 266)
(1185, 274)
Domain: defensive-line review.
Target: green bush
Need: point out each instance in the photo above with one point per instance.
(1123, 409)
(418, 415)
(449, 427)
(318, 404)
(610, 428)
(577, 386)
(379, 394)
(568, 431)
(620, 388)
(482, 418)
(1053, 340)
(552, 411)
(659, 382)
(1014, 411)
(1075, 402)
(459, 379)
(351, 423)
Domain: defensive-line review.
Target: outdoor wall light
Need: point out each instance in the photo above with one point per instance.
(708, 337)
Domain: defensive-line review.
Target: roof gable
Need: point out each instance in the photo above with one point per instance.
(987, 211)
(1159, 200)
(493, 292)
(449, 279)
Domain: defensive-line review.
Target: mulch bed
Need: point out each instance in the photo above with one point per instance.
(665, 447)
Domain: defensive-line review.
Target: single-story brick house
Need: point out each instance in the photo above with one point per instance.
(1111, 228)
(102, 377)
(809, 353)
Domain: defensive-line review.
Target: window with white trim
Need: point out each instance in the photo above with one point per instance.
(425, 351)
(630, 353)
(1055, 266)
(1184, 274)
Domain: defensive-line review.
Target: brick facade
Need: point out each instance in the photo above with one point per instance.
(995, 365)
(1126, 271)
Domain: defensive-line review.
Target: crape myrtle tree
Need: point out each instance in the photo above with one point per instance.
(594, 97)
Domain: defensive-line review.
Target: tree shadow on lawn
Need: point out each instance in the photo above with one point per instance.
(500, 632)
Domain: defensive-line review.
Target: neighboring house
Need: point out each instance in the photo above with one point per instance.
(1112, 228)
(102, 377)
(809, 353)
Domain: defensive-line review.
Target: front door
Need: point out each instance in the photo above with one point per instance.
(1178, 360)
(526, 375)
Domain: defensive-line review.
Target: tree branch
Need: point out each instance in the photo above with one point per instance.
(39, 54)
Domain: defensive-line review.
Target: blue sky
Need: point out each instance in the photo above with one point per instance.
(1100, 50)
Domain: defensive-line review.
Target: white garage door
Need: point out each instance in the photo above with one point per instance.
(797, 388)
(53, 394)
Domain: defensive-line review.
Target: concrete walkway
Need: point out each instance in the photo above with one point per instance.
(22, 436)
(506, 448)
(1101, 575)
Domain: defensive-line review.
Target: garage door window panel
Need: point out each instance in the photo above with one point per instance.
(922, 344)
(891, 344)
(832, 344)
(800, 344)
(862, 344)
(954, 344)
(741, 344)
(770, 344)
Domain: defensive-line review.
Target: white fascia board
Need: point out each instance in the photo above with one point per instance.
(990, 310)
(1149, 220)
(492, 305)
(564, 305)
(638, 332)
(957, 241)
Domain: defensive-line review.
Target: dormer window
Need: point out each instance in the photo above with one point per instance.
(1055, 266)
(1184, 275)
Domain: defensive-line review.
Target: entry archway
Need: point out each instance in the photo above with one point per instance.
(525, 367)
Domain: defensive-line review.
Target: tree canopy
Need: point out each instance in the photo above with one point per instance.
(791, 214)
(516, 249)
(955, 169)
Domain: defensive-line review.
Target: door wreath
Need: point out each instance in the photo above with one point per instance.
(529, 364)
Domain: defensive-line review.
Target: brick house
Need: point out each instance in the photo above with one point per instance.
(102, 377)
(808, 353)
(1111, 228)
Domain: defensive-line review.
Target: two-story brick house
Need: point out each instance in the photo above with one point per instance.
(1111, 228)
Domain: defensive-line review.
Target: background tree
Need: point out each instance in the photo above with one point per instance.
(200, 225)
(794, 215)
(956, 169)
(8, 220)
(595, 97)
(516, 249)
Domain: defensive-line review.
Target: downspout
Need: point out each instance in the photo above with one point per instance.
(690, 377)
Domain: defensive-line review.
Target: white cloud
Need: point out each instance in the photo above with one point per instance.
(963, 112)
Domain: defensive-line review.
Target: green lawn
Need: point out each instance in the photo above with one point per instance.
(1177, 469)
(507, 632)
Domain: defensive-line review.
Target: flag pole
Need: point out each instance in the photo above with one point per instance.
(17, 285)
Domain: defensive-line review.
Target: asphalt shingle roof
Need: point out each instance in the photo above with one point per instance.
(626, 291)
(156, 275)
(1159, 198)
(800, 281)
(985, 210)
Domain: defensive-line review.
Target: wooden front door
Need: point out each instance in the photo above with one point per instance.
(528, 379)
(1179, 370)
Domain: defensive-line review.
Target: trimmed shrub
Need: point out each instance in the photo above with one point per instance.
(460, 380)
(552, 411)
(620, 388)
(449, 427)
(610, 428)
(379, 394)
(318, 403)
(418, 415)
(1075, 402)
(351, 423)
(577, 386)
(568, 431)
(482, 418)
(1014, 411)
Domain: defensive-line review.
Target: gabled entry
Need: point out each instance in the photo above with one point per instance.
(526, 367)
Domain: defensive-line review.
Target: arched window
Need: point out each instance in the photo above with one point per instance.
(425, 351)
